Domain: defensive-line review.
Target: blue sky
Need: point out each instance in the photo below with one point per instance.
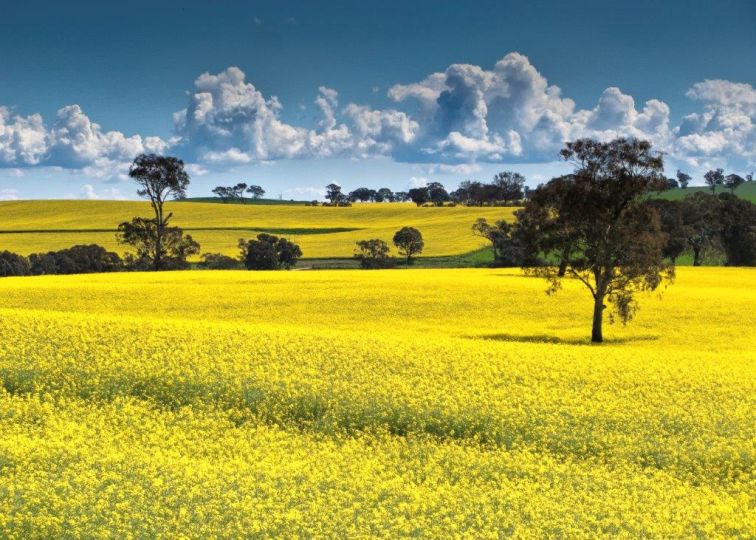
(294, 95)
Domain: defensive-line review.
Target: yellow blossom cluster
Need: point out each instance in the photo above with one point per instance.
(389, 403)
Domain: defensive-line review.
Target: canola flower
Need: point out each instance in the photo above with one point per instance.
(40, 226)
(388, 403)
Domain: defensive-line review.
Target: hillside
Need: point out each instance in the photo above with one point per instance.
(35, 226)
(746, 191)
(247, 200)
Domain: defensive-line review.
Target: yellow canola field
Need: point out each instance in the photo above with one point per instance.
(38, 226)
(373, 403)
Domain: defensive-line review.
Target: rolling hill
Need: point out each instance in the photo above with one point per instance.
(37, 226)
(746, 191)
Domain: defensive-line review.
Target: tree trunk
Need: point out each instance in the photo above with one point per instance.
(563, 262)
(158, 246)
(597, 334)
(696, 256)
(562, 268)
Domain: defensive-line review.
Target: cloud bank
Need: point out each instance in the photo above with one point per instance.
(461, 116)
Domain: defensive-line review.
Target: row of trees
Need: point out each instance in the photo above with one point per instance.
(236, 193)
(716, 177)
(84, 259)
(505, 188)
(376, 253)
(705, 224)
(701, 224)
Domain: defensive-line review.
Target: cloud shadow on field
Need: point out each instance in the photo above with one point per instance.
(556, 340)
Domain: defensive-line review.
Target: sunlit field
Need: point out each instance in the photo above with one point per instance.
(355, 403)
(40, 226)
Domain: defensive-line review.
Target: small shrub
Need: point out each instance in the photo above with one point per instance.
(373, 254)
(218, 261)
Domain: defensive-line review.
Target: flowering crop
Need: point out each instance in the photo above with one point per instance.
(350, 403)
(218, 227)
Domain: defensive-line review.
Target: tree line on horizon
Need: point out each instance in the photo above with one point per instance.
(507, 188)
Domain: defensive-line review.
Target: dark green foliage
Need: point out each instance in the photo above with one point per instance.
(384, 195)
(419, 195)
(83, 259)
(434, 193)
(165, 251)
(510, 247)
(256, 191)
(701, 226)
(737, 221)
(683, 179)
(409, 242)
(12, 264)
(335, 196)
(224, 193)
(508, 186)
(733, 182)
(373, 254)
(236, 192)
(363, 194)
(269, 252)
(159, 178)
(218, 261)
(714, 178)
(597, 223)
(672, 224)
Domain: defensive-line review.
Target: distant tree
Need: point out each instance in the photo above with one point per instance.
(373, 254)
(159, 178)
(401, 196)
(672, 183)
(700, 214)
(737, 220)
(510, 247)
(548, 220)
(419, 195)
(362, 194)
(672, 224)
(409, 242)
(269, 252)
(225, 194)
(238, 190)
(12, 264)
(384, 195)
(493, 233)
(167, 250)
(335, 196)
(683, 179)
(713, 179)
(733, 182)
(437, 194)
(463, 193)
(256, 191)
(749, 177)
(218, 261)
(599, 224)
(509, 186)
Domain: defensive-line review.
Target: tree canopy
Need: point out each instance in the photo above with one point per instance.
(596, 224)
